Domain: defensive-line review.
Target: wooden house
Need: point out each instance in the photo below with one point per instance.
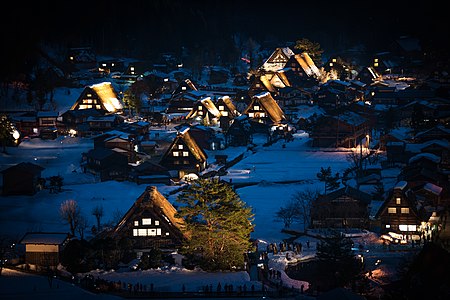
(149, 173)
(109, 66)
(105, 164)
(100, 96)
(398, 214)
(43, 249)
(277, 60)
(338, 68)
(183, 87)
(184, 155)
(343, 130)
(240, 132)
(438, 132)
(103, 123)
(150, 223)
(346, 207)
(264, 109)
(26, 123)
(205, 112)
(368, 75)
(21, 179)
(206, 137)
(82, 57)
(304, 69)
(76, 120)
(228, 112)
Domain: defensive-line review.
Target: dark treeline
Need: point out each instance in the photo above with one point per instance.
(143, 28)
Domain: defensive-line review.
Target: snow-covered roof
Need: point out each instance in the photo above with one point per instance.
(429, 156)
(47, 238)
(435, 189)
(47, 114)
(401, 185)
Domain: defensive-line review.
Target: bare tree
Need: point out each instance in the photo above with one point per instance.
(288, 214)
(82, 225)
(97, 211)
(70, 212)
(303, 201)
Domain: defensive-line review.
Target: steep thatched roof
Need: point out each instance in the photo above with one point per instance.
(195, 149)
(269, 104)
(307, 64)
(151, 199)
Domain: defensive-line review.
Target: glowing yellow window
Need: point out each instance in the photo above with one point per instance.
(392, 210)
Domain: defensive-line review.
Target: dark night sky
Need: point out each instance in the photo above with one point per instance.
(162, 25)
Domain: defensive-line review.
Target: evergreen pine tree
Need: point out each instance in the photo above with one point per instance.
(219, 225)
(331, 181)
(337, 258)
(6, 129)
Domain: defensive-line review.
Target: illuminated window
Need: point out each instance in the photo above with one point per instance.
(89, 95)
(158, 231)
(375, 64)
(256, 107)
(156, 222)
(112, 65)
(167, 233)
(180, 146)
(132, 68)
(98, 107)
(185, 153)
(334, 60)
(262, 115)
(35, 130)
(404, 210)
(135, 232)
(375, 60)
(388, 226)
(71, 58)
(142, 232)
(146, 221)
(407, 227)
(398, 200)
(183, 88)
(152, 232)
(104, 65)
(200, 113)
(224, 113)
(221, 107)
(331, 64)
(392, 210)
(166, 79)
(176, 153)
(200, 107)
(251, 115)
(136, 223)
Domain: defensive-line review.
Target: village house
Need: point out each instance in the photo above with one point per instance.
(399, 218)
(151, 223)
(100, 96)
(43, 249)
(205, 112)
(265, 110)
(343, 130)
(22, 179)
(105, 164)
(240, 132)
(346, 207)
(184, 155)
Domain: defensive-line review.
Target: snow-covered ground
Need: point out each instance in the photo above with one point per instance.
(272, 175)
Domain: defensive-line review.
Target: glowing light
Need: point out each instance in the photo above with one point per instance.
(16, 134)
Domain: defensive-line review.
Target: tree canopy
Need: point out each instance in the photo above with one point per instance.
(313, 49)
(218, 223)
(6, 130)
